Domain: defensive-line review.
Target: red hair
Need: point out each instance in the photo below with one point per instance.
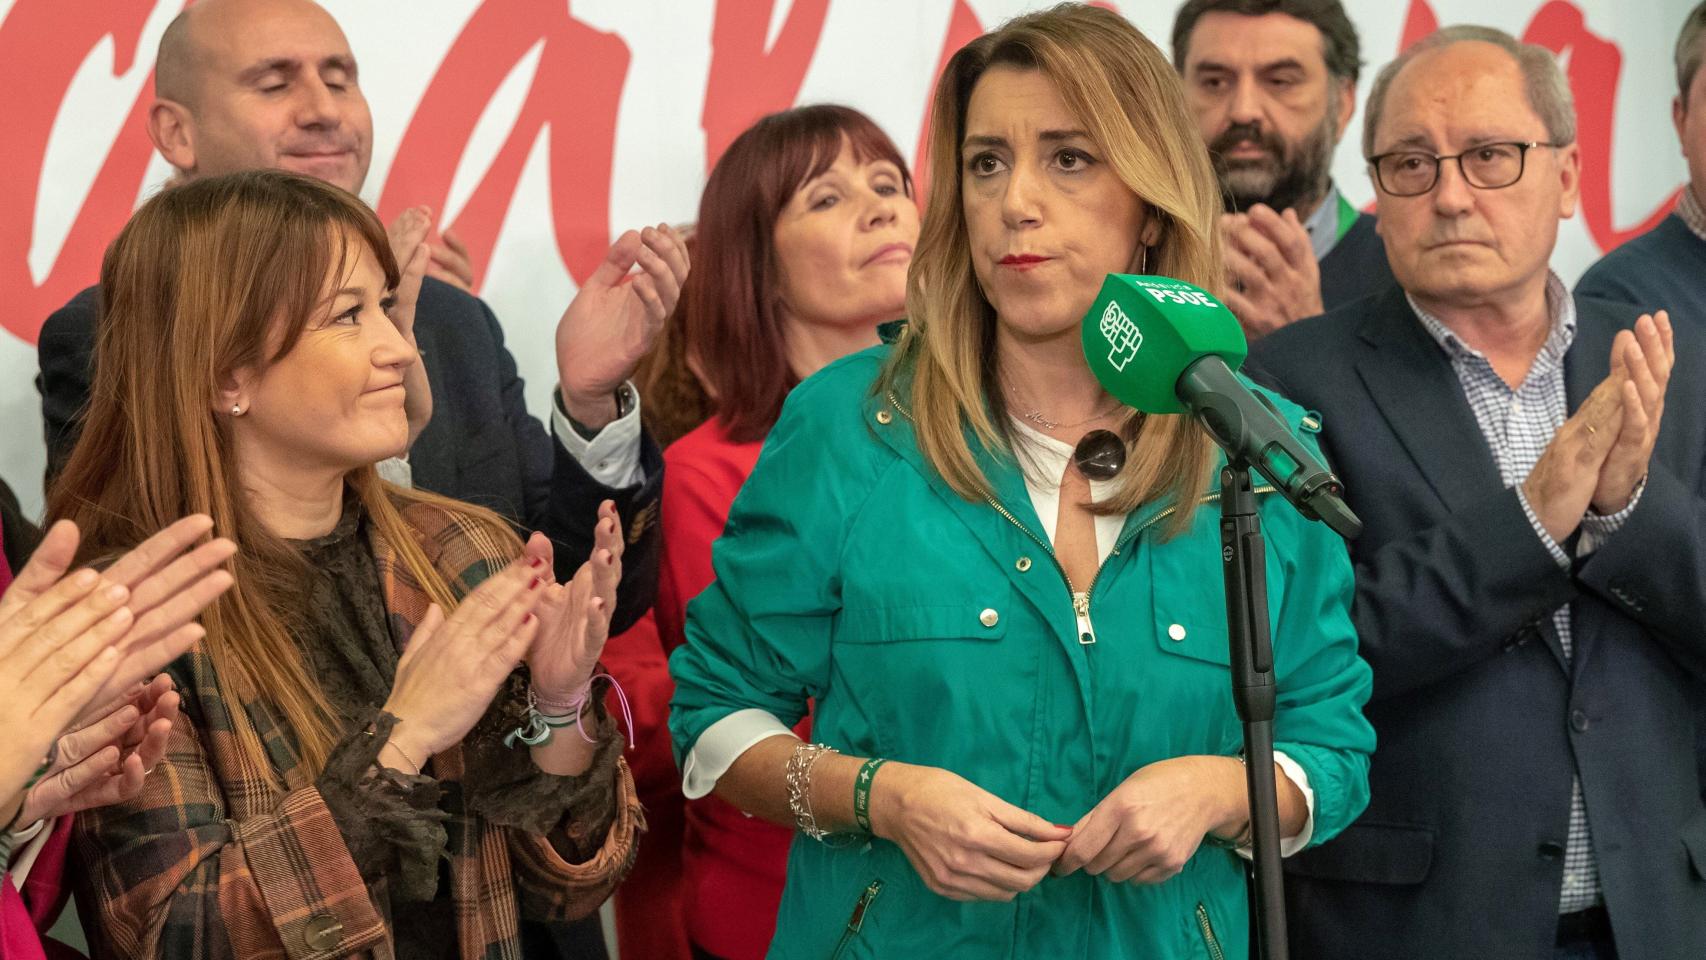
(728, 315)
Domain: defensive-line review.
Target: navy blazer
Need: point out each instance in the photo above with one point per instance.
(1481, 721)
(1356, 267)
(481, 446)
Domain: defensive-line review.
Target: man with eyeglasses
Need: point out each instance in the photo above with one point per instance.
(1531, 580)
(1662, 269)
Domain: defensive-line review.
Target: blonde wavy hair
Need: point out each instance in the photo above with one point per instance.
(1130, 101)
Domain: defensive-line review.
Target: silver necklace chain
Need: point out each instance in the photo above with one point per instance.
(1036, 415)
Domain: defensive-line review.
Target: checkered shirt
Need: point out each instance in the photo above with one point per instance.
(1518, 424)
(1688, 208)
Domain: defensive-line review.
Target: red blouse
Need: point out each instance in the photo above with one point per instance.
(732, 866)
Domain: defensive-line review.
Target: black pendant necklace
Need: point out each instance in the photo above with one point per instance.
(1100, 455)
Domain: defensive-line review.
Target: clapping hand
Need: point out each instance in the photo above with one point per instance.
(105, 761)
(448, 261)
(453, 666)
(1270, 263)
(451, 262)
(1644, 358)
(575, 616)
(1602, 451)
(409, 246)
(614, 319)
(69, 641)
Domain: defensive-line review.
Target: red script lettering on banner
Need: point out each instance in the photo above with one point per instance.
(747, 81)
(576, 93)
(43, 43)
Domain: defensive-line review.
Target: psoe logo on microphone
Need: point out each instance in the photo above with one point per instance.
(1122, 335)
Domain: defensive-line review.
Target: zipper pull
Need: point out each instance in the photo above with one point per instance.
(857, 920)
(1081, 606)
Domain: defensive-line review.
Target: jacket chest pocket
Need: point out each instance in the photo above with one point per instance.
(1189, 602)
(962, 622)
(918, 676)
(1188, 610)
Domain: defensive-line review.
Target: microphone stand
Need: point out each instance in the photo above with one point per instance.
(1244, 564)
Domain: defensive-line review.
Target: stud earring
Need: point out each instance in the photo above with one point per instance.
(236, 409)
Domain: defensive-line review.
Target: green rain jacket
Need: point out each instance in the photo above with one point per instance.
(934, 630)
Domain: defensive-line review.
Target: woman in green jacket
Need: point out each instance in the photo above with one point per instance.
(1019, 663)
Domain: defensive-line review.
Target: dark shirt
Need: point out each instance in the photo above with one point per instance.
(18, 536)
(1658, 270)
(1356, 267)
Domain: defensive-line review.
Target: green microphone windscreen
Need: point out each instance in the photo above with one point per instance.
(1143, 332)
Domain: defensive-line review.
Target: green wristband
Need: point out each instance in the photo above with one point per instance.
(41, 771)
(24, 801)
(862, 792)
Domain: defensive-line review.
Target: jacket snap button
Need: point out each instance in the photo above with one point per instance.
(1176, 632)
(989, 617)
(1579, 721)
(884, 417)
(323, 932)
(1022, 564)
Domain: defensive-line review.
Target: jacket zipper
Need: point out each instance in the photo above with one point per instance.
(1081, 600)
(1208, 938)
(857, 920)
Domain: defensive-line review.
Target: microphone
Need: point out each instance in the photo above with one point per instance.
(1166, 346)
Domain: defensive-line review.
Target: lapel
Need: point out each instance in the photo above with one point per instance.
(1411, 382)
(1001, 539)
(1589, 358)
(1587, 363)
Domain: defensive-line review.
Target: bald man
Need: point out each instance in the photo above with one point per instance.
(250, 84)
(247, 84)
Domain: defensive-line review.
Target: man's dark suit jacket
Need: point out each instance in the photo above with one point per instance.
(1356, 267)
(1481, 722)
(481, 445)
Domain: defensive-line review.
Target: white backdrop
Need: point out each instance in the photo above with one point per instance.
(542, 128)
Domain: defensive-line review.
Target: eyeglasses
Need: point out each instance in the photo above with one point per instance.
(1490, 166)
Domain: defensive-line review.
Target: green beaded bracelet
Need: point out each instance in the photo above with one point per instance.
(862, 792)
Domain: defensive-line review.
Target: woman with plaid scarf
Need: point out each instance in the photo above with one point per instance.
(390, 744)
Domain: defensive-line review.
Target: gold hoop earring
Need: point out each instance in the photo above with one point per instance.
(1142, 260)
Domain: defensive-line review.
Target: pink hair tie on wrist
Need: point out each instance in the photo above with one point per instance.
(575, 707)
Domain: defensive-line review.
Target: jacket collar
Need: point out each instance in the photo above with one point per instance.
(1006, 478)
(1589, 359)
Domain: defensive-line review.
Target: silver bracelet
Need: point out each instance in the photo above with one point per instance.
(799, 773)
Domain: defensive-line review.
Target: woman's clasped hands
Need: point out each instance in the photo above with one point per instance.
(968, 844)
